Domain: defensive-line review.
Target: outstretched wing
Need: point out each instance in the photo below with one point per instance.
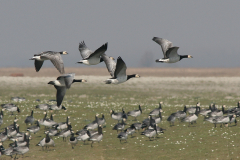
(110, 64)
(60, 94)
(120, 68)
(56, 59)
(99, 51)
(165, 44)
(68, 78)
(84, 51)
(172, 52)
(38, 65)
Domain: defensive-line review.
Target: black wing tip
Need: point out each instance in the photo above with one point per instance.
(81, 44)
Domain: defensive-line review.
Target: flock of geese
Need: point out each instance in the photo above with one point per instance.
(117, 70)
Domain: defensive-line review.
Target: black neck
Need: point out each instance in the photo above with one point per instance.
(183, 56)
(47, 138)
(99, 130)
(32, 113)
(130, 76)
(101, 59)
(140, 108)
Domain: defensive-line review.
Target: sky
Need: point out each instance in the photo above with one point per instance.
(207, 30)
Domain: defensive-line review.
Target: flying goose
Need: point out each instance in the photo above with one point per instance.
(150, 132)
(169, 52)
(120, 73)
(73, 140)
(62, 83)
(54, 57)
(110, 64)
(155, 112)
(89, 57)
(46, 142)
(123, 135)
(96, 137)
(29, 119)
(135, 113)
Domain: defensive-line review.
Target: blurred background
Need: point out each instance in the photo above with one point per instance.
(207, 30)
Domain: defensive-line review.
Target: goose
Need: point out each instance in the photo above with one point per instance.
(223, 120)
(83, 136)
(13, 109)
(29, 119)
(54, 57)
(148, 122)
(117, 116)
(120, 73)
(44, 107)
(47, 122)
(73, 140)
(192, 110)
(62, 125)
(123, 135)
(9, 151)
(192, 117)
(150, 132)
(34, 129)
(56, 108)
(46, 142)
(215, 112)
(155, 112)
(96, 137)
(135, 113)
(18, 99)
(21, 150)
(171, 119)
(20, 136)
(12, 131)
(8, 105)
(120, 126)
(4, 135)
(137, 126)
(52, 131)
(169, 52)
(89, 57)
(92, 125)
(181, 114)
(158, 119)
(131, 130)
(62, 83)
(22, 142)
(101, 121)
(66, 132)
(233, 110)
(110, 64)
(205, 112)
(14, 123)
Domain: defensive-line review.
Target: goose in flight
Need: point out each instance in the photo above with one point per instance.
(54, 57)
(89, 57)
(119, 73)
(62, 83)
(169, 51)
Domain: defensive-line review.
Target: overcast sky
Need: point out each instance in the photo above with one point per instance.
(207, 30)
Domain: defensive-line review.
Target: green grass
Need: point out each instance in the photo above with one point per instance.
(83, 101)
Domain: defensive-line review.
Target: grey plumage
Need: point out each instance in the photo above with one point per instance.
(29, 119)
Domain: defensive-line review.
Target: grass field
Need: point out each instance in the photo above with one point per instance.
(84, 100)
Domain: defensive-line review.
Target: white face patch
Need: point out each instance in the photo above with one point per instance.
(65, 52)
(37, 58)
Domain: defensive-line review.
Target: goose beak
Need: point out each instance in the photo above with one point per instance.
(189, 56)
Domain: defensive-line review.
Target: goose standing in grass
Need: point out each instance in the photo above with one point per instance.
(123, 135)
(21, 142)
(62, 83)
(192, 110)
(148, 122)
(120, 126)
(169, 51)
(150, 132)
(29, 119)
(96, 137)
(62, 125)
(120, 73)
(54, 57)
(89, 57)
(52, 131)
(117, 116)
(171, 119)
(205, 112)
(46, 142)
(73, 140)
(131, 130)
(83, 136)
(158, 119)
(44, 107)
(135, 113)
(215, 112)
(223, 120)
(66, 132)
(92, 125)
(137, 126)
(21, 150)
(13, 109)
(12, 131)
(181, 114)
(156, 111)
(34, 129)
(192, 117)
(101, 121)
(4, 135)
